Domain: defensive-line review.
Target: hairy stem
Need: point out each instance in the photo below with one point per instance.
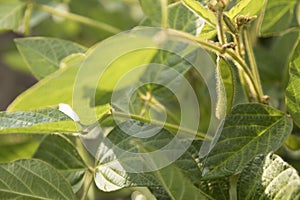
(240, 45)
(221, 35)
(229, 53)
(79, 18)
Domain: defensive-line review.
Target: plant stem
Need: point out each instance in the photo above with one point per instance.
(169, 126)
(230, 53)
(221, 35)
(233, 184)
(240, 45)
(79, 18)
(26, 20)
(146, 98)
(248, 76)
(252, 61)
(89, 181)
(164, 13)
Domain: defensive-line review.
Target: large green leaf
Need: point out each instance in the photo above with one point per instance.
(249, 130)
(246, 7)
(293, 90)
(32, 179)
(11, 14)
(268, 177)
(62, 83)
(123, 65)
(279, 16)
(164, 182)
(55, 89)
(44, 55)
(61, 154)
(40, 121)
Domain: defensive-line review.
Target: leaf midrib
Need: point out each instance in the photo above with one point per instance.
(238, 152)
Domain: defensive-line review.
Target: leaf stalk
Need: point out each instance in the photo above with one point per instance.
(168, 126)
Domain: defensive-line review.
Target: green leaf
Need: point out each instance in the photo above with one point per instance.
(13, 147)
(116, 71)
(61, 154)
(249, 130)
(246, 7)
(208, 32)
(59, 84)
(293, 90)
(44, 55)
(40, 121)
(279, 16)
(163, 182)
(268, 177)
(225, 75)
(203, 12)
(120, 67)
(32, 179)
(154, 9)
(189, 22)
(11, 14)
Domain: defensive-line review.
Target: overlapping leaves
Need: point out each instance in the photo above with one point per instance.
(268, 177)
(110, 174)
(62, 154)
